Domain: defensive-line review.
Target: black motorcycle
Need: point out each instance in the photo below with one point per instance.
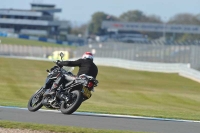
(68, 97)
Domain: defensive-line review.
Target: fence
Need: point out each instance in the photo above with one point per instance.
(182, 69)
(34, 51)
(153, 52)
(74, 42)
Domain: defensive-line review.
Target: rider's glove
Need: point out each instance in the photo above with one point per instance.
(58, 62)
(53, 68)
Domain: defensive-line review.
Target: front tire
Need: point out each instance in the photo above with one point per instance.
(77, 99)
(35, 105)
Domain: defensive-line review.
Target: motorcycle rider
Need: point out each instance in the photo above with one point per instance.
(86, 66)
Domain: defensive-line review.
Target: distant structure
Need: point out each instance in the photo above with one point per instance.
(130, 31)
(39, 21)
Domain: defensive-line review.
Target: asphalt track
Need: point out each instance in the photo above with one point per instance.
(100, 121)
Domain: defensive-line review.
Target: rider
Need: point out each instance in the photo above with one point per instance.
(86, 66)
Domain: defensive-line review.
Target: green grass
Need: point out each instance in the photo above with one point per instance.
(120, 91)
(17, 41)
(54, 128)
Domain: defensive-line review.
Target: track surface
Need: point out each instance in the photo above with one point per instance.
(99, 121)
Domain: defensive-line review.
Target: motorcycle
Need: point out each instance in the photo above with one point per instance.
(69, 96)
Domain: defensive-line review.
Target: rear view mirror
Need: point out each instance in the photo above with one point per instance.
(61, 55)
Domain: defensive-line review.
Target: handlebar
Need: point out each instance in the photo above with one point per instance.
(54, 62)
(57, 64)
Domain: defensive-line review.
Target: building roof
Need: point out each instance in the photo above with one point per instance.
(11, 9)
(20, 12)
(45, 7)
(42, 5)
(151, 27)
(23, 22)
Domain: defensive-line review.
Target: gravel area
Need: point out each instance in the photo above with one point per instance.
(8, 130)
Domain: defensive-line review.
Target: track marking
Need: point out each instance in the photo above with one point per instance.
(108, 115)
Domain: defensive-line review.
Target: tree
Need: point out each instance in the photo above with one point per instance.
(133, 16)
(79, 30)
(95, 25)
(184, 18)
(97, 18)
(139, 16)
(187, 19)
(153, 19)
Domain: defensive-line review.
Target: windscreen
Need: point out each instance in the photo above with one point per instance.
(68, 69)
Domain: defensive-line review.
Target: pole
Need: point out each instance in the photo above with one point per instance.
(164, 25)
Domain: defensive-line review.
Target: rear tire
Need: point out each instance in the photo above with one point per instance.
(75, 105)
(39, 104)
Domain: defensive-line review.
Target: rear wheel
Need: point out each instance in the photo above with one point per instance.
(35, 102)
(73, 104)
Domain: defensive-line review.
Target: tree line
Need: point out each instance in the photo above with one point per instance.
(94, 27)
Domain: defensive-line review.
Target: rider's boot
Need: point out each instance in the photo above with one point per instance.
(52, 91)
(54, 87)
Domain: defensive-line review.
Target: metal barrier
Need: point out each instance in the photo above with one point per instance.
(147, 52)
(153, 57)
(27, 50)
(182, 69)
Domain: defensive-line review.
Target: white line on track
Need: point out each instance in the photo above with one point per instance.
(109, 115)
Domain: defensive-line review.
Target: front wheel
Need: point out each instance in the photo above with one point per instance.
(35, 102)
(73, 104)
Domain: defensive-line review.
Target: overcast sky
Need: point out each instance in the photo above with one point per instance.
(80, 11)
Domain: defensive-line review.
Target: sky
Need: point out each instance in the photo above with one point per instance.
(80, 11)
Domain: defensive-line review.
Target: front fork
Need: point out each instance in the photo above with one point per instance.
(40, 92)
(48, 83)
(39, 95)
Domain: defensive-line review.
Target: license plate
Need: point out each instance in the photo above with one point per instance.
(86, 92)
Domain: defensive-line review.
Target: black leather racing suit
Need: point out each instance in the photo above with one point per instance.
(86, 66)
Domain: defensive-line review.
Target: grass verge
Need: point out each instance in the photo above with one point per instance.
(120, 91)
(17, 41)
(54, 128)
